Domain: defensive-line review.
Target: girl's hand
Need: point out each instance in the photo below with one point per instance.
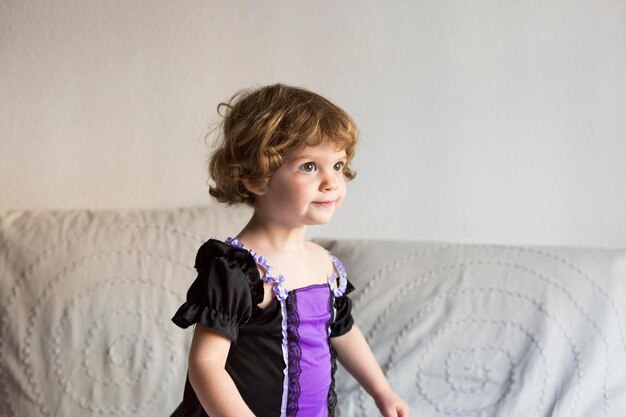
(390, 405)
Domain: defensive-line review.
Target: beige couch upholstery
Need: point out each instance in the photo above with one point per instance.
(460, 330)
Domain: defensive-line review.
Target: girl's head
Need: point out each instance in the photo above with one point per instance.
(260, 126)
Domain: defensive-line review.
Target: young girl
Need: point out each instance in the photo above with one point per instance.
(274, 307)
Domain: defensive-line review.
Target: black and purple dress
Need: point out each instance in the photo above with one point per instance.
(281, 359)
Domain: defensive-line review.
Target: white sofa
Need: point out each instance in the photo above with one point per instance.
(460, 330)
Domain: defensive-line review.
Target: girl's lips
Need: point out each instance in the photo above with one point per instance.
(324, 203)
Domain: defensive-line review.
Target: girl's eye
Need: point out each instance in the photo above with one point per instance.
(339, 166)
(308, 167)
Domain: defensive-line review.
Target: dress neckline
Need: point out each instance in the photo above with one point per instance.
(279, 281)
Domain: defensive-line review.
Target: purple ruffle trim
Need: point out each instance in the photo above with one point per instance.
(279, 288)
(343, 276)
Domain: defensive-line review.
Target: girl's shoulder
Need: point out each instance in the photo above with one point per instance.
(214, 249)
(318, 252)
(225, 291)
(338, 277)
(323, 256)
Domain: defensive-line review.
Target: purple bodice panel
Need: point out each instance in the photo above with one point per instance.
(308, 319)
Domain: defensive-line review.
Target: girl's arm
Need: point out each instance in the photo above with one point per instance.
(355, 355)
(213, 386)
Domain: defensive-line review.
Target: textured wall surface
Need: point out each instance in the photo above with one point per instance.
(482, 121)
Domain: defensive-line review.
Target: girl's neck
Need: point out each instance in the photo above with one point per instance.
(269, 235)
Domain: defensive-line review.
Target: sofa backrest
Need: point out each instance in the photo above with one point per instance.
(475, 330)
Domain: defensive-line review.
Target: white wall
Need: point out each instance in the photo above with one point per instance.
(482, 121)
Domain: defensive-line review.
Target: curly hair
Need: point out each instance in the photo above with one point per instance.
(259, 126)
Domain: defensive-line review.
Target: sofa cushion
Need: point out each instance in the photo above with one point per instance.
(487, 330)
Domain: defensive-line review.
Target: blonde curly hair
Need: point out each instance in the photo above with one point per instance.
(259, 126)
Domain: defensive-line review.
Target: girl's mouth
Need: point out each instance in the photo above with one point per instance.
(324, 203)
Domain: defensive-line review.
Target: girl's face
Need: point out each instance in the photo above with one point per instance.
(307, 188)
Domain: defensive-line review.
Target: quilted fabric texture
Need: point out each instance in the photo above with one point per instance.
(87, 299)
(473, 330)
(460, 330)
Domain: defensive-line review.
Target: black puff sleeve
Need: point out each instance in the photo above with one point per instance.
(225, 292)
(343, 313)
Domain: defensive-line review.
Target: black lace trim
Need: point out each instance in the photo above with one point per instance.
(332, 395)
(295, 354)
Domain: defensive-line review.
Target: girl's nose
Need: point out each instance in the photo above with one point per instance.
(329, 183)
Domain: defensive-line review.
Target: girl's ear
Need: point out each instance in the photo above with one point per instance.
(257, 189)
